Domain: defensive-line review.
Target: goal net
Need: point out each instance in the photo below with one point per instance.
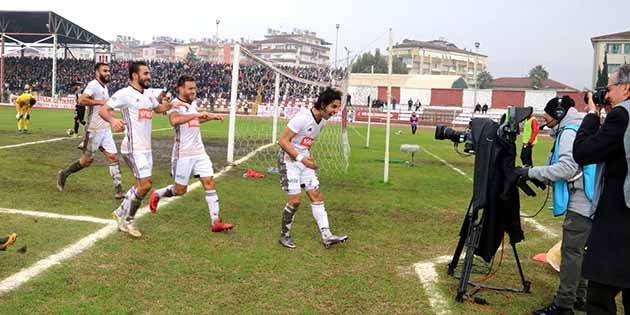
(266, 97)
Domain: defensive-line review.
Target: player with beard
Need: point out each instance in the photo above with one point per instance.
(189, 154)
(137, 104)
(98, 136)
(297, 168)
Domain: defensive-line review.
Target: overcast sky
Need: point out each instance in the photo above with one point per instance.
(516, 35)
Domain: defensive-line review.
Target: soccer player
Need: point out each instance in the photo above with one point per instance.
(7, 241)
(297, 167)
(413, 121)
(79, 109)
(23, 106)
(189, 154)
(98, 136)
(137, 104)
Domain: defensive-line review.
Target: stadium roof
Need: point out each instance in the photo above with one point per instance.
(30, 26)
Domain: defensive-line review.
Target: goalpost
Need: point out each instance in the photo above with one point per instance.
(264, 96)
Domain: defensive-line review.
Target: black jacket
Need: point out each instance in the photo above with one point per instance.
(607, 257)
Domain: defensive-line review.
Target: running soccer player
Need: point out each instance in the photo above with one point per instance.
(98, 136)
(79, 109)
(297, 167)
(413, 121)
(189, 154)
(137, 104)
(23, 105)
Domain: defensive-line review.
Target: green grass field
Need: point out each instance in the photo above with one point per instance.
(180, 267)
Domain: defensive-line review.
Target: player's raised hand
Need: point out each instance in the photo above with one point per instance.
(216, 117)
(308, 162)
(117, 125)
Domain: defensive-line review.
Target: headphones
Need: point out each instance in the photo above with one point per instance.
(559, 112)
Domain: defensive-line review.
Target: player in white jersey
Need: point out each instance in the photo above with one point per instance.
(98, 136)
(189, 154)
(137, 104)
(297, 168)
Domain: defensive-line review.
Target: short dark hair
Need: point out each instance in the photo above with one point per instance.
(134, 67)
(98, 65)
(327, 97)
(183, 79)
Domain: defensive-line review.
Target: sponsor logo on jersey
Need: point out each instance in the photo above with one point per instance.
(307, 142)
(145, 114)
(193, 123)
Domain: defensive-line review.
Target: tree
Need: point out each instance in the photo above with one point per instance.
(484, 79)
(538, 75)
(602, 77)
(365, 62)
(191, 57)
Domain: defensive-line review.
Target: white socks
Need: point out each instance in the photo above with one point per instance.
(213, 204)
(319, 212)
(114, 172)
(166, 191)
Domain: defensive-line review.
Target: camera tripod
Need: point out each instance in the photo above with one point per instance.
(473, 225)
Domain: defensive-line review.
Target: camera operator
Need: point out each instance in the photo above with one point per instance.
(564, 120)
(607, 257)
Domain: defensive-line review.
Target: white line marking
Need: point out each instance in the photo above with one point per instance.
(85, 243)
(357, 132)
(448, 164)
(541, 228)
(58, 139)
(49, 215)
(34, 142)
(429, 279)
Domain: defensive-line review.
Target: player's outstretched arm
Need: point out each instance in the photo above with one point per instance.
(165, 106)
(209, 116)
(107, 113)
(176, 118)
(87, 100)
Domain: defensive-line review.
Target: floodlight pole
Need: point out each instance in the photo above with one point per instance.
(389, 106)
(54, 66)
(276, 96)
(1, 67)
(367, 137)
(236, 56)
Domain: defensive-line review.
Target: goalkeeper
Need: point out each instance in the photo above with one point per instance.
(23, 106)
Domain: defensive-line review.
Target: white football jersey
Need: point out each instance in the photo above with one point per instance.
(137, 113)
(188, 141)
(306, 130)
(98, 92)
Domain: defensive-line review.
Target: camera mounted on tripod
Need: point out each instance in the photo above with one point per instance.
(494, 208)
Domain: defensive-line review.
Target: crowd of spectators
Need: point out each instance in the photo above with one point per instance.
(213, 80)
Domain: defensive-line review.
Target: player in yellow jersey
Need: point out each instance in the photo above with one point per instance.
(7, 241)
(23, 106)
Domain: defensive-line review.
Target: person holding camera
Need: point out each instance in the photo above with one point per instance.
(607, 257)
(569, 196)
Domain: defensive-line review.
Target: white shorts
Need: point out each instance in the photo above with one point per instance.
(141, 163)
(198, 166)
(294, 176)
(101, 140)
